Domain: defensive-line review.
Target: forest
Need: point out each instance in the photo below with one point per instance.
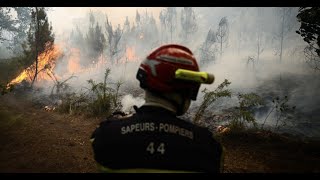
(59, 78)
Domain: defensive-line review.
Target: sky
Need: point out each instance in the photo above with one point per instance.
(62, 17)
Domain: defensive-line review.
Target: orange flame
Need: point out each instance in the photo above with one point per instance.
(46, 62)
(73, 63)
(130, 54)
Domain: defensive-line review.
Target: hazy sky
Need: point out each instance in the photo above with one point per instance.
(62, 17)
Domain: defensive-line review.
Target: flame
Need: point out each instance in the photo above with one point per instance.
(74, 66)
(130, 54)
(46, 62)
(73, 63)
(21, 77)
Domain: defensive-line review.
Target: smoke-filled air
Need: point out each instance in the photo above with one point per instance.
(82, 62)
(256, 49)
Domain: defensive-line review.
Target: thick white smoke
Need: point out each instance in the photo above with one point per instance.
(266, 77)
(128, 101)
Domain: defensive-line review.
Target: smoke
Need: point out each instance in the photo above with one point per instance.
(271, 79)
(64, 19)
(128, 101)
(239, 63)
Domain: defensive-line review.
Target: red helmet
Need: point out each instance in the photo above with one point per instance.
(157, 72)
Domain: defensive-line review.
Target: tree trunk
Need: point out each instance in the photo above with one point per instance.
(258, 47)
(258, 52)
(111, 54)
(171, 32)
(281, 36)
(221, 48)
(239, 43)
(161, 34)
(37, 39)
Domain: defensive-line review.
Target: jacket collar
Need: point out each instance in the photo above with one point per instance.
(155, 110)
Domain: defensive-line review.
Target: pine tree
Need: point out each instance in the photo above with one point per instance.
(188, 22)
(222, 33)
(40, 37)
(95, 39)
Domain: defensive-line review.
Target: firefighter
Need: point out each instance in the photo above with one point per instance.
(154, 139)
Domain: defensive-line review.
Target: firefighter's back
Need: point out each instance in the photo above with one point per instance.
(154, 140)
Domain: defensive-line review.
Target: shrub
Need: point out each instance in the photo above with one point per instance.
(283, 111)
(105, 99)
(210, 97)
(244, 112)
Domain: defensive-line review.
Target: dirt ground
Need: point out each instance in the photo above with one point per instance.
(34, 140)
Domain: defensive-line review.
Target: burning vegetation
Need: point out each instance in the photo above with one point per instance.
(47, 61)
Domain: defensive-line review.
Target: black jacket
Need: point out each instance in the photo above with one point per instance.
(154, 138)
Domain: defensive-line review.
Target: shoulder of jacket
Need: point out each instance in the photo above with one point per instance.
(116, 118)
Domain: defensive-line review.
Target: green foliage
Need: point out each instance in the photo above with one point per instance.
(100, 99)
(40, 38)
(105, 98)
(309, 29)
(40, 34)
(10, 68)
(16, 26)
(210, 97)
(188, 22)
(76, 39)
(310, 32)
(115, 96)
(7, 23)
(59, 86)
(222, 32)
(22, 23)
(283, 110)
(236, 126)
(244, 113)
(95, 39)
(74, 103)
(114, 36)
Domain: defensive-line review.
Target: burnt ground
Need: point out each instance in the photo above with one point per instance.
(34, 140)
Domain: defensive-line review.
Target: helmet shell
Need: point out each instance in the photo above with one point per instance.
(157, 72)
